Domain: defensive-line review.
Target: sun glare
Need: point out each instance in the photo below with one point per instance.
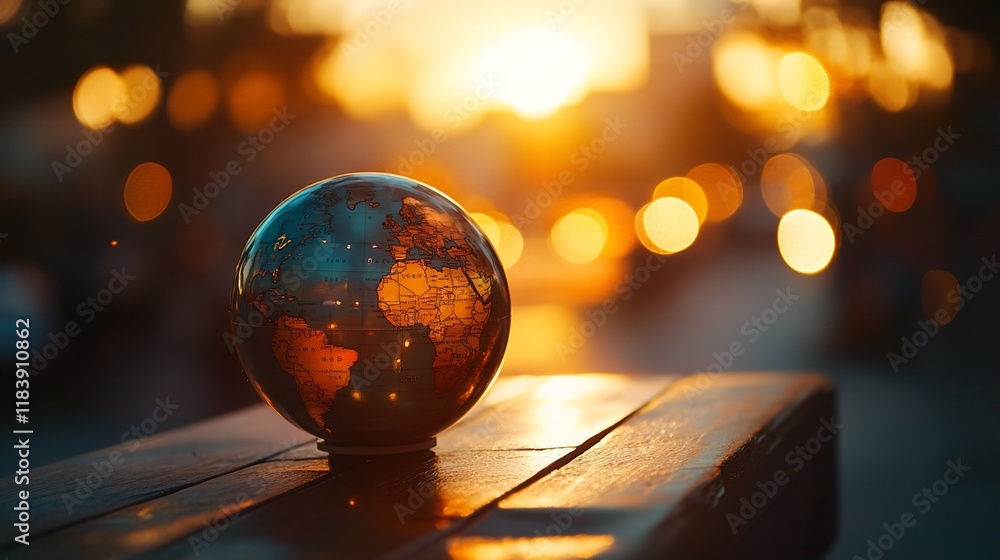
(538, 71)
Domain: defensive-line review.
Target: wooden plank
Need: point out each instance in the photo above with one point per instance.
(208, 464)
(387, 502)
(562, 411)
(129, 473)
(665, 481)
(372, 509)
(201, 511)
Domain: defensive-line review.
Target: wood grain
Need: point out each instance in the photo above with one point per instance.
(665, 481)
(151, 467)
(387, 502)
(564, 466)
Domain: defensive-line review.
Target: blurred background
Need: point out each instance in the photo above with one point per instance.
(654, 174)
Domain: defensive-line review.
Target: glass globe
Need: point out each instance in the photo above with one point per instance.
(370, 310)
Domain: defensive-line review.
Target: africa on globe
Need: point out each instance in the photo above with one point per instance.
(371, 311)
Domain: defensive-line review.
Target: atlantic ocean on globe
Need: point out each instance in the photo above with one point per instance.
(370, 310)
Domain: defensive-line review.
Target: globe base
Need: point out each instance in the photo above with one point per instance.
(336, 449)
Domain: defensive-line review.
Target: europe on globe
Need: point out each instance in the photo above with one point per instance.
(371, 311)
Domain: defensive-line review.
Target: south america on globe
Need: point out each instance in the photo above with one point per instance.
(371, 311)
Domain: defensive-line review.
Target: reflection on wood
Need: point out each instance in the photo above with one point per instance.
(545, 467)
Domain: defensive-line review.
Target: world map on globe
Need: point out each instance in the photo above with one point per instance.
(376, 299)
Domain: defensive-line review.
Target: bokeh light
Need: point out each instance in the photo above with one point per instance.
(940, 296)
(722, 189)
(96, 95)
(618, 218)
(915, 44)
(578, 237)
(745, 68)
(667, 225)
(147, 191)
(192, 99)
(488, 225)
(511, 244)
(687, 190)
(505, 238)
(142, 91)
(806, 241)
(8, 9)
(894, 184)
(803, 81)
(788, 182)
(781, 12)
(254, 98)
(889, 88)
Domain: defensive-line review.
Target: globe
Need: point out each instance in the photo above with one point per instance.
(371, 311)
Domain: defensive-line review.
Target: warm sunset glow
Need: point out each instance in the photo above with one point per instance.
(803, 81)
(687, 190)
(578, 237)
(806, 241)
(894, 184)
(537, 331)
(511, 57)
(667, 225)
(147, 191)
(538, 71)
(192, 99)
(96, 96)
(722, 188)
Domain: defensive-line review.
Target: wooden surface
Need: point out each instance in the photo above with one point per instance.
(569, 466)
